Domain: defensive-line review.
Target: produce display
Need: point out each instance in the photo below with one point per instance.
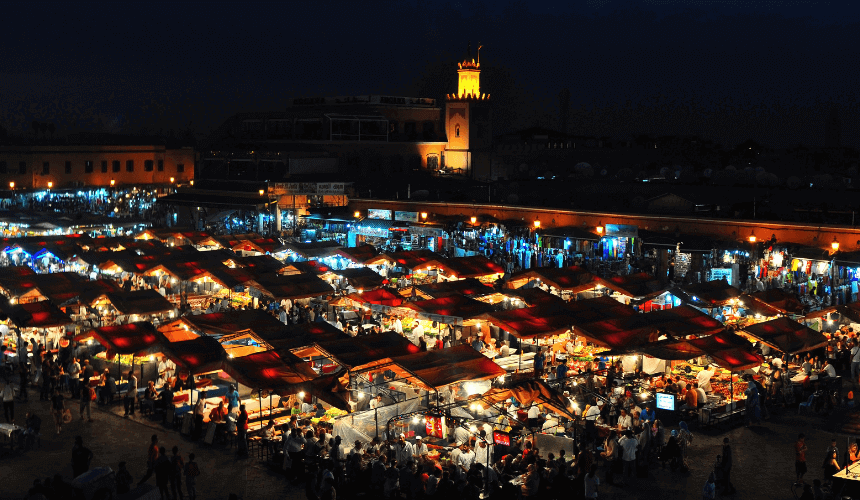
(723, 388)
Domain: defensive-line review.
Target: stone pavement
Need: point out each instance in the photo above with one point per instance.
(763, 458)
(113, 438)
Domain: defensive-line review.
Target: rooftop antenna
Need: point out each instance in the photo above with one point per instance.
(479, 53)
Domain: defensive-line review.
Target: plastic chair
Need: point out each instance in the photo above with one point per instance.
(807, 404)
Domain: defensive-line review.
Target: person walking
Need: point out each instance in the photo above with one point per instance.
(9, 403)
(130, 394)
(152, 454)
(58, 408)
(709, 492)
(729, 488)
(163, 473)
(176, 467)
(800, 457)
(191, 473)
(242, 432)
(74, 371)
(88, 395)
(81, 457)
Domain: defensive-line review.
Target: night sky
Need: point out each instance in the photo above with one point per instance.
(772, 71)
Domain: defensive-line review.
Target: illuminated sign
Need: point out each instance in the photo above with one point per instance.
(375, 213)
(502, 438)
(406, 216)
(665, 401)
(434, 426)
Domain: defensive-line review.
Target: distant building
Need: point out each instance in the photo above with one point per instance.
(358, 135)
(35, 166)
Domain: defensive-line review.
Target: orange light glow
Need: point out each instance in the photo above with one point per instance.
(474, 220)
(537, 224)
(50, 185)
(357, 214)
(424, 215)
(112, 182)
(752, 238)
(834, 244)
(171, 180)
(12, 185)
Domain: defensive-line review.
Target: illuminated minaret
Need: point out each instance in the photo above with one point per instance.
(467, 121)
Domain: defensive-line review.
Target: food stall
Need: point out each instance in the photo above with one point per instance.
(129, 346)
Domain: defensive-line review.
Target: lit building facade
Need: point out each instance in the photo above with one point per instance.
(35, 167)
(366, 135)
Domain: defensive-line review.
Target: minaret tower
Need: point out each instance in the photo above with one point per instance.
(467, 122)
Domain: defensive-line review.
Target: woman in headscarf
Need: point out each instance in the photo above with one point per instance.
(752, 406)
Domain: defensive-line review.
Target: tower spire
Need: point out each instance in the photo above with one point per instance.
(479, 53)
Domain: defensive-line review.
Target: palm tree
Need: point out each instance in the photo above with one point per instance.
(51, 129)
(43, 127)
(35, 126)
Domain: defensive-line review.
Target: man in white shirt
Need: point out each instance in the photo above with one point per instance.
(420, 448)
(594, 411)
(855, 361)
(534, 415)
(828, 369)
(165, 370)
(483, 451)
(398, 326)
(403, 450)
(704, 378)
(282, 316)
(461, 435)
(624, 421)
(376, 402)
(628, 452)
(307, 407)
(466, 458)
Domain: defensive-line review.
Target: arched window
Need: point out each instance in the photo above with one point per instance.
(457, 130)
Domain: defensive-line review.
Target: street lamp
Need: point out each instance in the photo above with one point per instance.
(171, 180)
(537, 224)
(474, 219)
(12, 185)
(50, 184)
(261, 192)
(834, 244)
(112, 182)
(424, 215)
(752, 237)
(192, 182)
(599, 228)
(357, 214)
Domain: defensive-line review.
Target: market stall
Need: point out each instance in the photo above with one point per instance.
(475, 266)
(129, 346)
(565, 282)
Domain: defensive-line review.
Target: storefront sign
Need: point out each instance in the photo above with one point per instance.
(622, 231)
(406, 216)
(665, 401)
(719, 273)
(297, 188)
(376, 232)
(375, 213)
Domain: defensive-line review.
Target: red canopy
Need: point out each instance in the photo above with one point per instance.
(475, 266)
(784, 303)
(360, 254)
(379, 296)
(469, 287)
(640, 286)
(787, 335)
(139, 302)
(455, 306)
(270, 371)
(529, 322)
(683, 321)
(707, 294)
(573, 279)
(729, 350)
(200, 355)
(232, 322)
(41, 314)
(601, 308)
(132, 338)
(294, 286)
(441, 367)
